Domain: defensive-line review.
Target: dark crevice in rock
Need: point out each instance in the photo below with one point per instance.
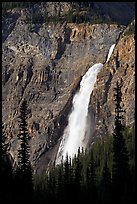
(29, 76)
(61, 49)
(62, 44)
(117, 61)
(107, 86)
(67, 34)
(48, 78)
(7, 75)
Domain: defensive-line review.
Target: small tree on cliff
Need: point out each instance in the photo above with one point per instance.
(120, 168)
(24, 170)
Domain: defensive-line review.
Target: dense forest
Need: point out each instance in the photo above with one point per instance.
(102, 174)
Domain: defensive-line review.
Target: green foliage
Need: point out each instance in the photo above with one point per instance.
(102, 173)
(92, 175)
(88, 172)
(70, 17)
(46, 19)
(23, 152)
(120, 168)
(55, 19)
(102, 149)
(23, 174)
(129, 135)
(98, 19)
(131, 29)
(105, 184)
(74, 15)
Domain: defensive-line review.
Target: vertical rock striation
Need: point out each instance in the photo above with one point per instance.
(45, 64)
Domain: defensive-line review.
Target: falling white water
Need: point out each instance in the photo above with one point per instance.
(74, 133)
(110, 52)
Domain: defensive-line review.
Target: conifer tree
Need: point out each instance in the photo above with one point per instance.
(106, 184)
(76, 166)
(91, 179)
(120, 168)
(23, 176)
(66, 175)
(60, 182)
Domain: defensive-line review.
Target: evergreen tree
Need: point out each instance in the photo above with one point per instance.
(60, 182)
(91, 179)
(23, 177)
(120, 168)
(76, 167)
(66, 175)
(105, 187)
(51, 186)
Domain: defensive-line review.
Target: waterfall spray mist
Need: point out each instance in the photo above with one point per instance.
(74, 133)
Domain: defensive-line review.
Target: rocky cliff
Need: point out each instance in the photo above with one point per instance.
(44, 65)
(120, 66)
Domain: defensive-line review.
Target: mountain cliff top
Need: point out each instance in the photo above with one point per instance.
(119, 12)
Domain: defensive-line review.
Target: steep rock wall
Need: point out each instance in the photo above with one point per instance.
(45, 66)
(102, 105)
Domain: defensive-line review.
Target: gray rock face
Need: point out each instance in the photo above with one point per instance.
(45, 67)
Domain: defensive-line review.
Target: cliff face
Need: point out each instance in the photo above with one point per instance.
(45, 66)
(120, 66)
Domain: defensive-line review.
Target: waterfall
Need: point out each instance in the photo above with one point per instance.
(110, 52)
(74, 133)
